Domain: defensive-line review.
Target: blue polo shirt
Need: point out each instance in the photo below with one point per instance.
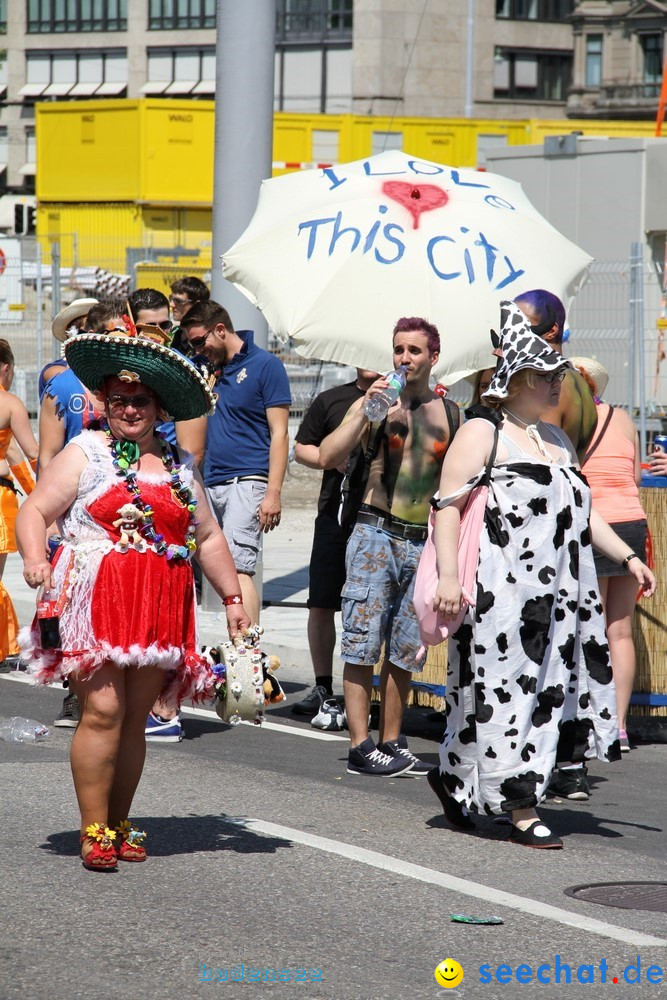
(237, 436)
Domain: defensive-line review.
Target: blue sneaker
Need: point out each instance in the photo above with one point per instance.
(159, 730)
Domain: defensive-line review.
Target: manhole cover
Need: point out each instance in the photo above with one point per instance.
(625, 895)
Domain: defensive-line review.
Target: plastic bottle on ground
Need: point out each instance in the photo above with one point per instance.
(377, 407)
(19, 730)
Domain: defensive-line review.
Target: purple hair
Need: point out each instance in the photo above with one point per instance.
(549, 310)
(415, 324)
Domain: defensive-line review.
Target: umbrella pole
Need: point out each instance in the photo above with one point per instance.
(245, 43)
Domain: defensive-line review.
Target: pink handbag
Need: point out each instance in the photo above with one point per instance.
(433, 628)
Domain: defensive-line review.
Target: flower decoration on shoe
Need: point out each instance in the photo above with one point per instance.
(102, 856)
(131, 848)
(101, 833)
(126, 453)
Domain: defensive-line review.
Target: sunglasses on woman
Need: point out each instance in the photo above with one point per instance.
(550, 377)
(118, 402)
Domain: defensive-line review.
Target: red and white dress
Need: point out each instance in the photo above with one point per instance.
(132, 607)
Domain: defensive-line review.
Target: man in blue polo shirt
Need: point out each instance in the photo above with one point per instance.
(246, 440)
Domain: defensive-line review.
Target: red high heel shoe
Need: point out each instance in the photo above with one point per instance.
(131, 848)
(103, 856)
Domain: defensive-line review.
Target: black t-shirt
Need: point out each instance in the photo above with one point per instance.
(324, 415)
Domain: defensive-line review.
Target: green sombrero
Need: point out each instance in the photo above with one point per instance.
(183, 392)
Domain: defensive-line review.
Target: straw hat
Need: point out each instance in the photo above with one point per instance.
(134, 357)
(595, 370)
(75, 310)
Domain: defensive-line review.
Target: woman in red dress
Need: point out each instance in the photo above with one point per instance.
(132, 510)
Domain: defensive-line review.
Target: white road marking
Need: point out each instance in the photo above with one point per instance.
(405, 868)
(205, 713)
(451, 882)
(312, 734)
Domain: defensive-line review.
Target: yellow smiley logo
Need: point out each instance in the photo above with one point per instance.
(449, 973)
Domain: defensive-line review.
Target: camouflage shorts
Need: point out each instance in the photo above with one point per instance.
(377, 599)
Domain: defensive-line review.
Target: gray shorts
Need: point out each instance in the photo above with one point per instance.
(235, 507)
(376, 601)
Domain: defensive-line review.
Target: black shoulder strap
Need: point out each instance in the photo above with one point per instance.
(375, 436)
(595, 443)
(453, 425)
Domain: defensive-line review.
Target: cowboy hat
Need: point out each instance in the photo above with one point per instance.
(64, 319)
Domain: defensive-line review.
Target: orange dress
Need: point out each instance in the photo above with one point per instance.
(9, 507)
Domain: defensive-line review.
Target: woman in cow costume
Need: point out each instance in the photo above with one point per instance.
(532, 654)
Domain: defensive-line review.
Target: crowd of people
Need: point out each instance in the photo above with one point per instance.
(163, 446)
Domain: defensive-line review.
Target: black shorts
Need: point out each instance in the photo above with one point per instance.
(327, 564)
(634, 534)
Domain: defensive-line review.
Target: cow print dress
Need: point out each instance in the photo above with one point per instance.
(533, 653)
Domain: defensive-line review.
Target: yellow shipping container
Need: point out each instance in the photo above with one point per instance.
(120, 177)
(151, 151)
(112, 236)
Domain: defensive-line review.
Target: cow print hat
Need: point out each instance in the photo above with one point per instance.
(518, 348)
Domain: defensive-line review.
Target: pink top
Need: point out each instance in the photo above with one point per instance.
(610, 472)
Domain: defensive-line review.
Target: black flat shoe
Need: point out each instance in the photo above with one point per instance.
(528, 838)
(455, 813)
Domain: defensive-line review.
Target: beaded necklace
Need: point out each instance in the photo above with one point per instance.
(123, 455)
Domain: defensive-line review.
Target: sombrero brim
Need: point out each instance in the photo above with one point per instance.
(75, 310)
(182, 391)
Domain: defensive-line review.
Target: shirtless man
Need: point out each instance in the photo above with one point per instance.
(576, 412)
(385, 546)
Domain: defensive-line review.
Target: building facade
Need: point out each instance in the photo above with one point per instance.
(493, 59)
(619, 53)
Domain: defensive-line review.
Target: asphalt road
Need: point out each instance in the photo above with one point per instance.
(265, 853)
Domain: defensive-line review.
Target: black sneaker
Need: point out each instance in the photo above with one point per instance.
(367, 759)
(312, 703)
(330, 716)
(70, 713)
(569, 784)
(399, 748)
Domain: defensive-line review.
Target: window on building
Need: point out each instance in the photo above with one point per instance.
(652, 46)
(180, 71)
(593, 60)
(28, 169)
(313, 20)
(534, 10)
(76, 15)
(313, 79)
(3, 17)
(4, 146)
(170, 14)
(3, 73)
(531, 76)
(75, 74)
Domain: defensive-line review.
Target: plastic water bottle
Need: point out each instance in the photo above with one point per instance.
(19, 730)
(377, 407)
(48, 619)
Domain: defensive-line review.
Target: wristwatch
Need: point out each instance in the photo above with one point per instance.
(633, 555)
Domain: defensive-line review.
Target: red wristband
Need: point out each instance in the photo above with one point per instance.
(232, 599)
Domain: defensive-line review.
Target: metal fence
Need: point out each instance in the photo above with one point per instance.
(620, 305)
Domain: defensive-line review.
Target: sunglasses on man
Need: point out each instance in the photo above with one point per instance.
(196, 343)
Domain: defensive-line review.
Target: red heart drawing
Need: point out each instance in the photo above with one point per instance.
(417, 198)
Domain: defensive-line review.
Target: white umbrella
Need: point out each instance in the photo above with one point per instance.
(334, 257)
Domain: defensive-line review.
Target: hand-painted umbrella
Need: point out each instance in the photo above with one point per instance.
(334, 257)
